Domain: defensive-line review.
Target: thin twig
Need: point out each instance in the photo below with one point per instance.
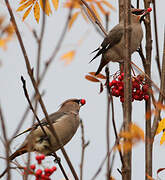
(156, 38)
(6, 144)
(95, 17)
(84, 145)
(162, 89)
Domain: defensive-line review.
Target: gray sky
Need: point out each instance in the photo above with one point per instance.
(64, 82)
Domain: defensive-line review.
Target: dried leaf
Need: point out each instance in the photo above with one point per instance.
(47, 8)
(37, 12)
(162, 138)
(101, 88)
(101, 76)
(26, 13)
(108, 4)
(73, 18)
(161, 126)
(68, 57)
(24, 6)
(91, 78)
(101, 7)
(159, 170)
(55, 4)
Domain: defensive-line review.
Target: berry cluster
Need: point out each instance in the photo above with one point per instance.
(140, 90)
(39, 173)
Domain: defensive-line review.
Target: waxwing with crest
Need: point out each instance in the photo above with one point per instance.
(112, 47)
(65, 123)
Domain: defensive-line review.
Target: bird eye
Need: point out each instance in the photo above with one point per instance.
(82, 101)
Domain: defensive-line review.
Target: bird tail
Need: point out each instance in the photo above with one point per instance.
(19, 152)
(98, 54)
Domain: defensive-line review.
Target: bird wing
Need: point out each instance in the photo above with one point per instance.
(112, 39)
(52, 117)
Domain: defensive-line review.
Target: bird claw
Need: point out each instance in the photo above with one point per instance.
(57, 160)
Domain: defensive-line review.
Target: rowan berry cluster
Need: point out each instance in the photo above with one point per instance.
(39, 173)
(140, 90)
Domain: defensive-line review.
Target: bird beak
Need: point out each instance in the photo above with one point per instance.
(146, 11)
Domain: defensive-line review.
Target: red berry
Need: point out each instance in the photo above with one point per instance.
(137, 92)
(110, 84)
(54, 168)
(120, 78)
(117, 93)
(42, 156)
(146, 97)
(38, 172)
(149, 9)
(122, 74)
(82, 101)
(39, 161)
(122, 99)
(136, 97)
(145, 88)
(114, 82)
(136, 85)
(121, 88)
(38, 157)
(32, 166)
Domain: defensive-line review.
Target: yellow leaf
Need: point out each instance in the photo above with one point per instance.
(68, 57)
(37, 12)
(74, 4)
(84, 16)
(47, 8)
(94, 10)
(162, 138)
(55, 4)
(73, 18)
(137, 131)
(22, 1)
(24, 6)
(101, 8)
(161, 126)
(26, 13)
(108, 4)
(3, 44)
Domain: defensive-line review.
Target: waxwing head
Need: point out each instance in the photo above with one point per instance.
(72, 105)
(139, 14)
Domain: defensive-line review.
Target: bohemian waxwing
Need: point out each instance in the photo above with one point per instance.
(112, 48)
(65, 122)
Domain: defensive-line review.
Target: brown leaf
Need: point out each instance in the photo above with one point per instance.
(90, 78)
(159, 170)
(101, 76)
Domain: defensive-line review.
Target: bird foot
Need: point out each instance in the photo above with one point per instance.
(57, 160)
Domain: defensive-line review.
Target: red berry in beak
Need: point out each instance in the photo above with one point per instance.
(149, 9)
(82, 101)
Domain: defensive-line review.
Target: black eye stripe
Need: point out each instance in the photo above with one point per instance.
(139, 12)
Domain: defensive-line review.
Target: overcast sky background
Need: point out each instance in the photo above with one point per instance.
(64, 82)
